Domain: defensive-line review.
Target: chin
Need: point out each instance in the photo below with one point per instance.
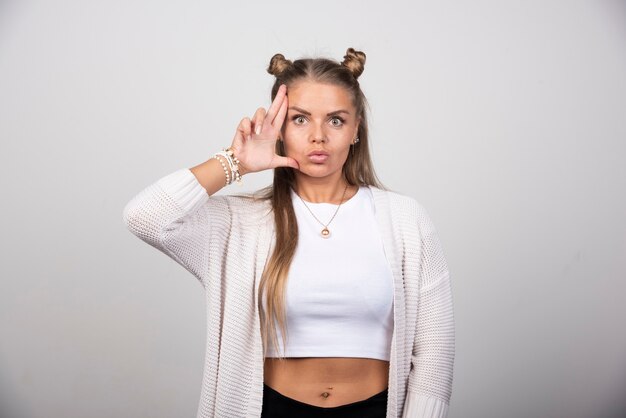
(316, 170)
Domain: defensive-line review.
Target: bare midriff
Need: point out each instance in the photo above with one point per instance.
(327, 381)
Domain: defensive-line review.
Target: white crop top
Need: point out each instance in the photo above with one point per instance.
(339, 293)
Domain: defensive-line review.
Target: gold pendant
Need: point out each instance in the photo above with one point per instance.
(325, 232)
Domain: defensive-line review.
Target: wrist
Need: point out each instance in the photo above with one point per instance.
(231, 165)
(243, 169)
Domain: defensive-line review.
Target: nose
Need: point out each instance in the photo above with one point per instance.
(318, 134)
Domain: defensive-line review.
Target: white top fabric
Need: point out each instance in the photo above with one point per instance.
(339, 293)
(224, 241)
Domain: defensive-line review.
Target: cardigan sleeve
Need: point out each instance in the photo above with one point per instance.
(432, 359)
(172, 215)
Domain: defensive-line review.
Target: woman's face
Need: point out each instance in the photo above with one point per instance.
(320, 118)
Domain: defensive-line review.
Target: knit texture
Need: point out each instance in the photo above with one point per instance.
(225, 241)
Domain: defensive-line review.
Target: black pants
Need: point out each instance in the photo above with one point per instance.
(277, 405)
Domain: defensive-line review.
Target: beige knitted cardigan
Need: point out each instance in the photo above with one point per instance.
(225, 241)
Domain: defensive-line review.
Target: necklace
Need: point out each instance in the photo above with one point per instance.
(325, 231)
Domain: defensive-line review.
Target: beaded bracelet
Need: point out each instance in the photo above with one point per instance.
(226, 166)
(225, 169)
(233, 165)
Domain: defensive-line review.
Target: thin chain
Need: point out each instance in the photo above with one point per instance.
(331, 219)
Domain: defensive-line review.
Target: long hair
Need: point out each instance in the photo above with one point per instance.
(357, 170)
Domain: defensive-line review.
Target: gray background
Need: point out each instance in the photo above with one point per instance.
(505, 119)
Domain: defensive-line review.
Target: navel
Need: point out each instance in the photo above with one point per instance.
(326, 394)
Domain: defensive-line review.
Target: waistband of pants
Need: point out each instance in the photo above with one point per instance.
(380, 396)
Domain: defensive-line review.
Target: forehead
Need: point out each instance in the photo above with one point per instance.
(312, 96)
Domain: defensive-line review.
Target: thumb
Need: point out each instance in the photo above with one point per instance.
(287, 162)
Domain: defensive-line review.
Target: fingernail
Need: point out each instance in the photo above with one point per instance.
(248, 137)
(257, 130)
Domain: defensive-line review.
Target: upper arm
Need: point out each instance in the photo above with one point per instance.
(177, 216)
(433, 264)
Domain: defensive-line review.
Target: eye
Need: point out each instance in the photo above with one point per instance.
(298, 119)
(339, 121)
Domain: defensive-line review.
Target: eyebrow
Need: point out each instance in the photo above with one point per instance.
(336, 112)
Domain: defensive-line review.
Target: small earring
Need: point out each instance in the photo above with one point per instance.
(356, 140)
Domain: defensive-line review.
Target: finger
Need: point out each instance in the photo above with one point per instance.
(257, 120)
(281, 161)
(245, 127)
(278, 100)
(280, 116)
(238, 139)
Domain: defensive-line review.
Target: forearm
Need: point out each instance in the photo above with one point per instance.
(430, 380)
(211, 175)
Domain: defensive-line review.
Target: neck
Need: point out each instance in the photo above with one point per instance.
(323, 190)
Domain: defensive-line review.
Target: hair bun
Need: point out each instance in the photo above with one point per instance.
(355, 61)
(278, 64)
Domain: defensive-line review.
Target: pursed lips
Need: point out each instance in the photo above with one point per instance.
(317, 153)
(318, 156)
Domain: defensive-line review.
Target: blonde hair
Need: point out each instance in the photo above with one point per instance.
(357, 170)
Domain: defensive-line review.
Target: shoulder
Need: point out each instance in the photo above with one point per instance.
(395, 202)
(403, 209)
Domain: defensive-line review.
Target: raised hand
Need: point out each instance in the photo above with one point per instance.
(255, 140)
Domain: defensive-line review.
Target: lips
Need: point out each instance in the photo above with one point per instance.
(318, 156)
(317, 153)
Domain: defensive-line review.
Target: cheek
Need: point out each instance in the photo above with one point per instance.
(295, 140)
(292, 146)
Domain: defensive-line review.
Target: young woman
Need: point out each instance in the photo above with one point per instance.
(327, 296)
